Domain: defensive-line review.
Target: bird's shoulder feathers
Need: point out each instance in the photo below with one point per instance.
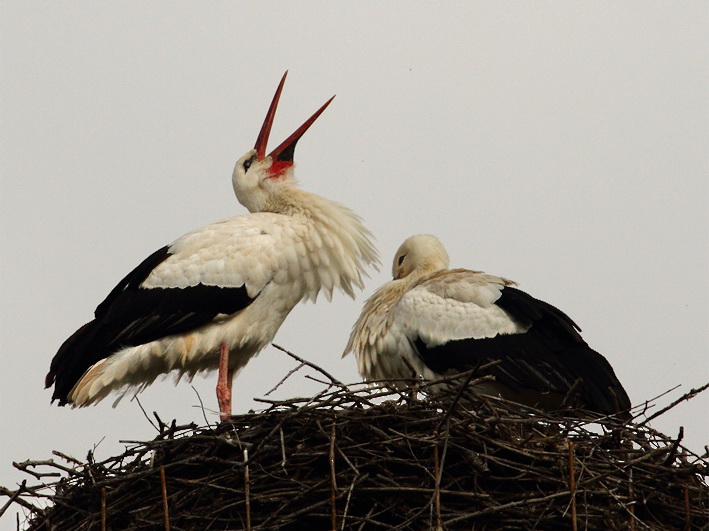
(453, 304)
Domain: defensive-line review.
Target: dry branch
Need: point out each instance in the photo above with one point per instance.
(354, 458)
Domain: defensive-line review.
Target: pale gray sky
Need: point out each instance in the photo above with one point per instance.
(563, 145)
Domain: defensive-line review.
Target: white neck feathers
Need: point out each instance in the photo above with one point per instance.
(338, 246)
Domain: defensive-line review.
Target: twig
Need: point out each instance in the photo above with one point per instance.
(572, 393)
(456, 399)
(690, 394)
(333, 481)
(641, 409)
(163, 491)
(13, 497)
(104, 517)
(572, 486)
(145, 414)
(161, 424)
(414, 374)
(290, 373)
(437, 489)
(505, 506)
(413, 387)
(201, 406)
(347, 503)
(68, 458)
(24, 467)
(247, 489)
(311, 365)
(283, 450)
(673, 449)
(631, 500)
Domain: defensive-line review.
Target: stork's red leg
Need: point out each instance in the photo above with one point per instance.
(224, 383)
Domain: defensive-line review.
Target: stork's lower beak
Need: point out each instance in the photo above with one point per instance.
(284, 152)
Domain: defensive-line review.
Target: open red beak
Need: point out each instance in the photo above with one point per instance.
(284, 152)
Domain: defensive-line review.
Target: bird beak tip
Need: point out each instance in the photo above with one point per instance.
(284, 152)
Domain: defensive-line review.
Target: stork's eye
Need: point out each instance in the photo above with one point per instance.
(247, 163)
(401, 259)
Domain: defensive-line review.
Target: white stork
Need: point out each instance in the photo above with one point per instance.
(442, 321)
(215, 297)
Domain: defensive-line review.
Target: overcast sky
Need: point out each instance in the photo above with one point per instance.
(562, 145)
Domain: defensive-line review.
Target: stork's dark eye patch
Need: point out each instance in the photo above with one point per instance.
(247, 163)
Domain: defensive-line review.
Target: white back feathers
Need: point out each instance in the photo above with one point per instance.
(443, 321)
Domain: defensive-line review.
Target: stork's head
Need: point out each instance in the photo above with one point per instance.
(258, 177)
(419, 254)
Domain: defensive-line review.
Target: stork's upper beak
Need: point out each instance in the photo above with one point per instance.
(284, 152)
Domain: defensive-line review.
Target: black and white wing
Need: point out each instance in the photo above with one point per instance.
(459, 320)
(207, 274)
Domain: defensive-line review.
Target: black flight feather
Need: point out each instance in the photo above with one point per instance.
(549, 357)
(132, 315)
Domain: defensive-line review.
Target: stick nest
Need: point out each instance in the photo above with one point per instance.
(358, 458)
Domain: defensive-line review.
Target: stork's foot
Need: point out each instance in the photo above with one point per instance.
(224, 383)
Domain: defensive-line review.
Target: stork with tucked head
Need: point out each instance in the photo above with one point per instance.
(215, 297)
(442, 321)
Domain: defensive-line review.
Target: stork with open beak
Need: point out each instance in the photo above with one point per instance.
(215, 297)
(442, 321)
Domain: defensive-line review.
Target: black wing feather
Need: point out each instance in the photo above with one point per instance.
(132, 315)
(550, 357)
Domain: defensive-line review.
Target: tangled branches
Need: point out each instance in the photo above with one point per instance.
(357, 458)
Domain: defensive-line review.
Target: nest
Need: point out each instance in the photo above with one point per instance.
(356, 458)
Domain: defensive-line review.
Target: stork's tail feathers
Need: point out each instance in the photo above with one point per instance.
(71, 362)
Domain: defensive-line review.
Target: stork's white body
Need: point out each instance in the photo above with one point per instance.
(439, 321)
(437, 307)
(217, 296)
(279, 259)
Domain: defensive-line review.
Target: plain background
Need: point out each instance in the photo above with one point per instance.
(563, 145)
